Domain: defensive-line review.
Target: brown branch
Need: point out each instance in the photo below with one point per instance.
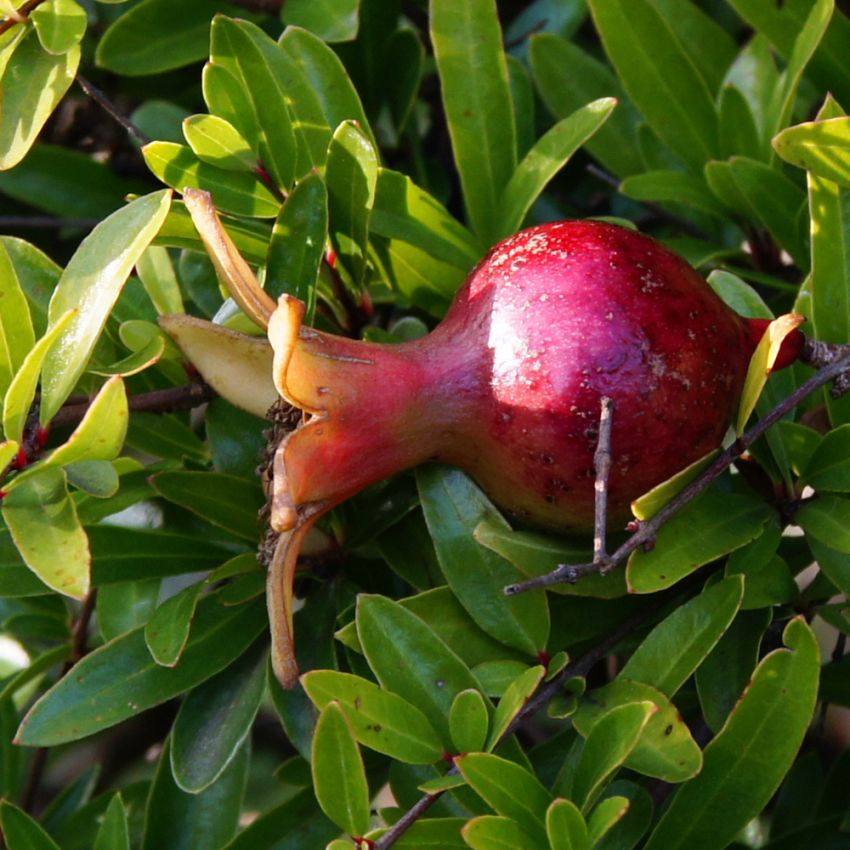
(602, 465)
(22, 14)
(833, 362)
(109, 107)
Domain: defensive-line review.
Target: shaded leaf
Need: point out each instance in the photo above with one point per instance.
(565, 826)
(21, 831)
(113, 833)
(491, 832)
(512, 701)
(469, 721)
(827, 519)
(331, 20)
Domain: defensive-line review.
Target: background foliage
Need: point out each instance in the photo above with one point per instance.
(699, 709)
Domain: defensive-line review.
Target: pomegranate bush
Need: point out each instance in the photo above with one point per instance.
(424, 427)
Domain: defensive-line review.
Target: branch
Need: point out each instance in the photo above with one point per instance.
(103, 101)
(21, 15)
(833, 362)
(602, 465)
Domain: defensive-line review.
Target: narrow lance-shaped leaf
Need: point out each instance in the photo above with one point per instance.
(43, 521)
(821, 147)
(476, 97)
(21, 831)
(16, 331)
(114, 833)
(749, 757)
(91, 284)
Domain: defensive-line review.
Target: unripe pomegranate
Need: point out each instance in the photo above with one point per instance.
(508, 387)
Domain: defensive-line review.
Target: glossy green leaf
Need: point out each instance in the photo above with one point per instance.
(404, 211)
(630, 828)
(565, 826)
(167, 631)
(821, 147)
(123, 606)
(21, 831)
(297, 245)
(258, 63)
(548, 156)
(157, 274)
(666, 748)
(232, 191)
(8, 450)
(33, 82)
(331, 20)
(711, 526)
(91, 284)
(16, 330)
(453, 507)
(224, 89)
(473, 75)
(827, 519)
(182, 821)
(646, 506)
(749, 757)
(16, 579)
(409, 659)
(113, 833)
(219, 143)
(608, 745)
(215, 719)
(351, 175)
(42, 520)
(434, 834)
(672, 186)
(339, 778)
(98, 478)
(101, 694)
(37, 275)
(537, 554)
(512, 701)
(567, 77)
(226, 501)
(60, 25)
(605, 817)
(469, 721)
(660, 77)
(509, 789)
(738, 131)
(21, 392)
(380, 719)
(138, 44)
(492, 832)
(671, 652)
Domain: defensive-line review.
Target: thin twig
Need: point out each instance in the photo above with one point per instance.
(837, 360)
(20, 16)
(102, 100)
(602, 465)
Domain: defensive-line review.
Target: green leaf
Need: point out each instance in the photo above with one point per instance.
(491, 832)
(738, 131)
(113, 833)
(217, 142)
(157, 274)
(138, 44)
(548, 156)
(224, 89)
(21, 392)
(330, 20)
(409, 659)
(21, 831)
(567, 78)
(16, 331)
(672, 186)
(167, 631)
(713, 525)
(97, 478)
(297, 245)
(671, 652)
(745, 763)
(473, 75)
(380, 719)
(646, 506)
(91, 284)
(37, 275)
(512, 701)
(33, 83)
(565, 826)
(123, 606)
(666, 748)
(226, 501)
(339, 778)
(509, 789)
(469, 721)
(827, 519)
(660, 77)
(259, 64)
(537, 554)
(60, 25)
(453, 507)
(183, 821)
(42, 520)
(404, 211)
(630, 828)
(821, 147)
(352, 174)
(433, 834)
(605, 817)
(232, 191)
(101, 693)
(215, 719)
(608, 745)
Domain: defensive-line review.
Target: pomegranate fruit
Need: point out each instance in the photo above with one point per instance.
(508, 387)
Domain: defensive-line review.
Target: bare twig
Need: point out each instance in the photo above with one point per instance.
(602, 465)
(833, 362)
(20, 15)
(102, 100)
